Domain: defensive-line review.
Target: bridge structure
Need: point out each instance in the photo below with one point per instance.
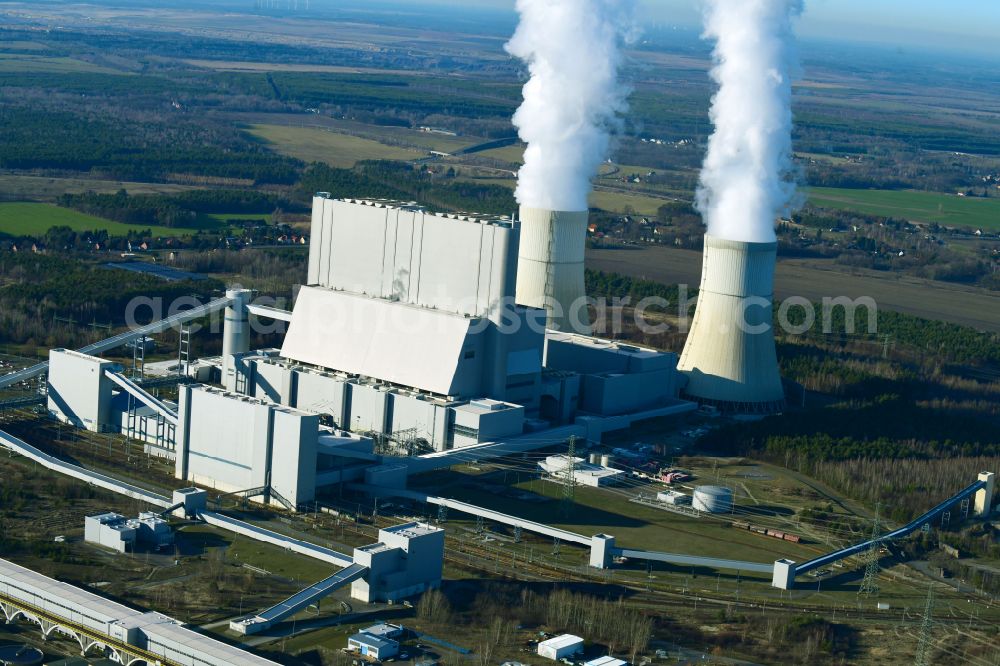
(115, 341)
(786, 570)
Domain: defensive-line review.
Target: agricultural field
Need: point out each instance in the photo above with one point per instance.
(313, 144)
(925, 207)
(815, 279)
(16, 187)
(17, 62)
(617, 201)
(25, 218)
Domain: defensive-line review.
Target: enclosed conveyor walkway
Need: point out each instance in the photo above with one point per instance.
(116, 341)
(69, 469)
(298, 601)
(139, 394)
(910, 527)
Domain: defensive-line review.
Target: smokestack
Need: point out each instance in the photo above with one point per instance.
(550, 266)
(729, 357)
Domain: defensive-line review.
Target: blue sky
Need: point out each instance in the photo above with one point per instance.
(960, 25)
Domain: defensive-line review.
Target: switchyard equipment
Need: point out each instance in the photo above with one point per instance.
(729, 356)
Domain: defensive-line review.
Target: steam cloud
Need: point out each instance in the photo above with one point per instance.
(746, 179)
(573, 101)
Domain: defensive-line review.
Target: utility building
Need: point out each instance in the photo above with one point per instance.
(407, 560)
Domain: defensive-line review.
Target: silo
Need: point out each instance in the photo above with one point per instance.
(712, 499)
(606, 460)
(235, 327)
(594, 459)
(729, 356)
(550, 266)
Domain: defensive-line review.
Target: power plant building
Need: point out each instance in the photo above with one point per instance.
(408, 334)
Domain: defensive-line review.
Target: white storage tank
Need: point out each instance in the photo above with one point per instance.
(712, 499)
(606, 460)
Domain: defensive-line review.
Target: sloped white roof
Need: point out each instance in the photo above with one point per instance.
(392, 341)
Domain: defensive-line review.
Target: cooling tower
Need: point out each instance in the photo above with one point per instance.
(729, 356)
(550, 266)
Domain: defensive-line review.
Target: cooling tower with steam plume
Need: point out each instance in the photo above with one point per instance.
(746, 183)
(573, 103)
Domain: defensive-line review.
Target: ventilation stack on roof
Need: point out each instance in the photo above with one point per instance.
(550, 266)
(729, 357)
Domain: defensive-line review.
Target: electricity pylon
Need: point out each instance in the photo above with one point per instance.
(869, 584)
(923, 657)
(569, 483)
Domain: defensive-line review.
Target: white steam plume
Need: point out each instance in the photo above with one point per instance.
(573, 101)
(746, 179)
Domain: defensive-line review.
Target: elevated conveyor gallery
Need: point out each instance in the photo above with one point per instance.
(139, 394)
(786, 570)
(122, 338)
(94, 478)
(602, 546)
(298, 601)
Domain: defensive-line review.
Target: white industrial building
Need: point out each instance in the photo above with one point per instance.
(406, 561)
(560, 647)
(115, 531)
(673, 497)
(606, 660)
(584, 473)
(409, 334)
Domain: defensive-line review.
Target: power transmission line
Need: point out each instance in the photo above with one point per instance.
(923, 657)
(869, 585)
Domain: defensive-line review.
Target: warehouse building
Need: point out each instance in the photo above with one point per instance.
(373, 647)
(560, 647)
(584, 473)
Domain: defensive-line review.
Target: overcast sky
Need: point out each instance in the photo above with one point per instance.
(961, 25)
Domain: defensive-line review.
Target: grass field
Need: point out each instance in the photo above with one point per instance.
(16, 62)
(512, 154)
(945, 209)
(817, 278)
(617, 201)
(35, 219)
(313, 144)
(44, 188)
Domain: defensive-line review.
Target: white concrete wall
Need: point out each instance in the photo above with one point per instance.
(293, 458)
(79, 392)
(404, 253)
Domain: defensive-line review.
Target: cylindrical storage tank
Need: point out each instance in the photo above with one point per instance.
(235, 328)
(550, 266)
(606, 460)
(712, 499)
(729, 357)
(595, 458)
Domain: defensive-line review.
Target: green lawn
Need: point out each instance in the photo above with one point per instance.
(945, 209)
(34, 219)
